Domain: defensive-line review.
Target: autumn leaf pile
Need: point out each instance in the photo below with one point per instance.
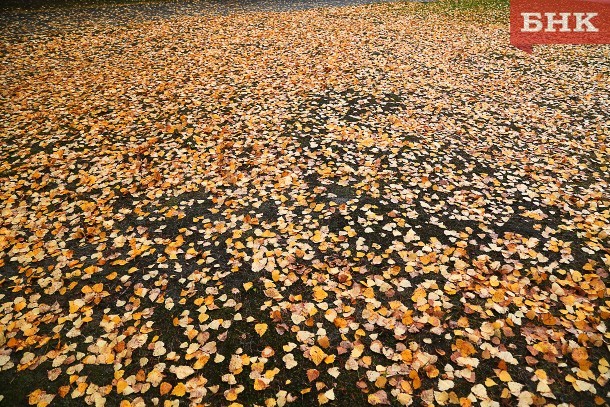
(349, 206)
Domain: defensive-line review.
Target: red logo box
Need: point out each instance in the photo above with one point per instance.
(559, 22)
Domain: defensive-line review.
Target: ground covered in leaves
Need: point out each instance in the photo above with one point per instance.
(376, 204)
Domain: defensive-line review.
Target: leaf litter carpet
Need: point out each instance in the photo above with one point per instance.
(365, 205)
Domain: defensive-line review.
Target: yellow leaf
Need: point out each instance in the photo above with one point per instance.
(505, 376)
(317, 237)
(319, 294)
(260, 329)
(21, 305)
(417, 294)
(316, 355)
(259, 384)
(179, 390)
(231, 395)
(406, 355)
(201, 362)
(121, 386)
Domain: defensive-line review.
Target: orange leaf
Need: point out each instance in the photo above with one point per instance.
(312, 374)
(165, 388)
